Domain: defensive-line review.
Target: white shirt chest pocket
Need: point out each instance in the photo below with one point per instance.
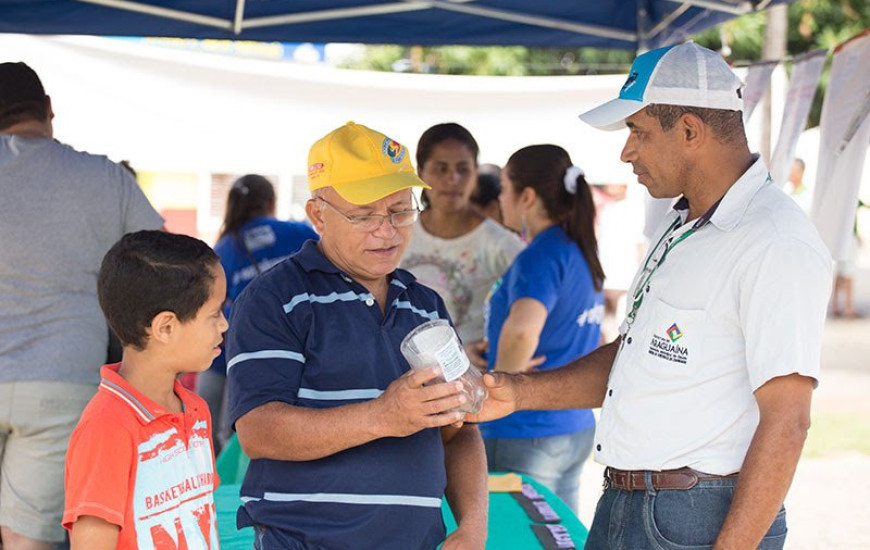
(674, 340)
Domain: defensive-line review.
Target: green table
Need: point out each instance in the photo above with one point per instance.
(508, 523)
(509, 526)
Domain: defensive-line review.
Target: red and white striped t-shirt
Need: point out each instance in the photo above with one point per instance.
(143, 468)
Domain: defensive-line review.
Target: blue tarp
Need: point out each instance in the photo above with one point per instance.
(540, 23)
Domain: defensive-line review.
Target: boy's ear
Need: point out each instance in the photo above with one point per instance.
(163, 326)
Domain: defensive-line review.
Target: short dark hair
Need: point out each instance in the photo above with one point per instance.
(22, 96)
(727, 125)
(488, 189)
(152, 271)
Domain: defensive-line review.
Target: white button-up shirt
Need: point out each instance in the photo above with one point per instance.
(737, 302)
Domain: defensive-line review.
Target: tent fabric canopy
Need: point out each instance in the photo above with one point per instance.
(640, 24)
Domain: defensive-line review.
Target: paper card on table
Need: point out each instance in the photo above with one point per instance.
(531, 493)
(538, 511)
(507, 483)
(554, 537)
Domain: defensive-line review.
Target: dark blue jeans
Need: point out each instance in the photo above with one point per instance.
(669, 519)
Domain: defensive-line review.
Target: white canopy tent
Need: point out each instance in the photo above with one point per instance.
(174, 110)
(170, 109)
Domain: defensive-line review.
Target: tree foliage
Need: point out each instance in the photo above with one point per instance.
(495, 61)
(812, 24)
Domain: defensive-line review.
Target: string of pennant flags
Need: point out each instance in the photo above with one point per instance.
(844, 129)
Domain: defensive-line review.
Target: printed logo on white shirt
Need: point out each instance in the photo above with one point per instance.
(666, 347)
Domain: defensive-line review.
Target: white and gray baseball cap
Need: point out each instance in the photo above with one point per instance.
(684, 74)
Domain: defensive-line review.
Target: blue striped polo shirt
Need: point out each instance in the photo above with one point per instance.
(307, 334)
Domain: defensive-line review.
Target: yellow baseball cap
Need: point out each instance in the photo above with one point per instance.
(362, 165)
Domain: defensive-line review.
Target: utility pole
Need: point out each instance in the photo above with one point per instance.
(774, 48)
(416, 56)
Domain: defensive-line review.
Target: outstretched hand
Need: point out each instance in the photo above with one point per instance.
(501, 398)
(407, 406)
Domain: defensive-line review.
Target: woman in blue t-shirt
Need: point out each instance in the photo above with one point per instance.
(548, 304)
(250, 242)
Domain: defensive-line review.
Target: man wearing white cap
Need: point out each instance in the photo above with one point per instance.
(348, 448)
(706, 393)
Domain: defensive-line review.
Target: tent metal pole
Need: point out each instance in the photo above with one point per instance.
(740, 9)
(163, 12)
(240, 17)
(460, 7)
(665, 22)
(546, 22)
(326, 15)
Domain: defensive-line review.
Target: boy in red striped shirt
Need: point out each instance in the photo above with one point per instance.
(140, 469)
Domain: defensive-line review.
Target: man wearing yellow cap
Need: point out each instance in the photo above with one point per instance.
(348, 448)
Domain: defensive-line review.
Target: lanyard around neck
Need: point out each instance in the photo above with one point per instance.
(648, 272)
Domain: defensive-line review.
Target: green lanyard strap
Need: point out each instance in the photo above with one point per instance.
(637, 295)
(637, 298)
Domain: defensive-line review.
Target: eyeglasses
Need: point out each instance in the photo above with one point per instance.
(373, 222)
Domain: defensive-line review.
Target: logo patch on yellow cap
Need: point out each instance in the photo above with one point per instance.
(394, 150)
(315, 169)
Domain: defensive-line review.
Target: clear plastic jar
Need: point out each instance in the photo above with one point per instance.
(435, 343)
